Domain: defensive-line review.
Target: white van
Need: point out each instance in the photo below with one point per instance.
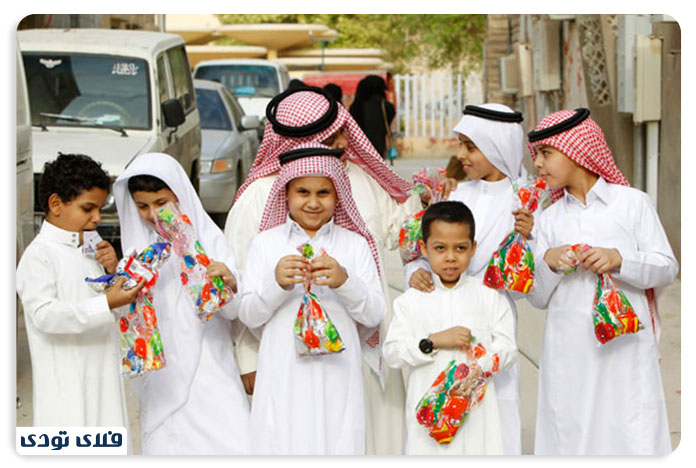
(253, 81)
(25, 179)
(112, 95)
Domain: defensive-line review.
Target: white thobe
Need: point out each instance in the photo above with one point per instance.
(601, 399)
(309, 405)
(416, 315)
(492, 204)
(72, 334)
(383, 216)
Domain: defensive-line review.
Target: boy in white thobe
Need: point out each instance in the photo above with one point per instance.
(492, 150)
(72, 333)
(311, 404)
(596, 399)
(430, 329)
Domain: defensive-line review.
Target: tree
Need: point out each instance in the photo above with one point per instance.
(433, 41)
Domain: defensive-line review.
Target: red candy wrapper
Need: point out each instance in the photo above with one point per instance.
(314, 332)
(612, 314)
(430, 181)
(455, 392)
(207, 295)
(512, 265)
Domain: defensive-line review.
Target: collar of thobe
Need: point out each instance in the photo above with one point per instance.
(493, 188)
(292, 227)
(54, 233)
(463, 279)
(599, 191)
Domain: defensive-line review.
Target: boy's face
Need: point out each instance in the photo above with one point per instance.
(554, 167)
(311, 202)
(83, 213)
(148, 203)
(448, 250)
(475, 163)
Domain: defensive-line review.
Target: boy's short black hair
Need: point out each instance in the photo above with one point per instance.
(146, 183)
(69, 175)
(449, 212)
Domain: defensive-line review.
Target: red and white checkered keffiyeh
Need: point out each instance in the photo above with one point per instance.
(584, 144)
(303, 108)
(346, 213)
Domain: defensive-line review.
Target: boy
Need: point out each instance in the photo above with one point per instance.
(430, 329)
(596, 399)
(195, 405)
(73, 339)
(307, 405)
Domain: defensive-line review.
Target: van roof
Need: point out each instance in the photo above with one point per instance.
(101, 41)
(245, 61)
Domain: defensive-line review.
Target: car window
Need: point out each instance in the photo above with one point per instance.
(181, 76)
(237, 112)
(212, 110)
(162, 82)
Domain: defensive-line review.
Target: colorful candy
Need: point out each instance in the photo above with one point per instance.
(430, 181)
(314, 332)
(141, 346)
(612, 314)
(512, 265)
(207, 295)
(455, 392)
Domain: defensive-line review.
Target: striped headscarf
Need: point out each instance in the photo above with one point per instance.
(583, 143)
(305, 107)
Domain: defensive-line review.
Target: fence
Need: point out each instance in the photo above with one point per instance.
(430, 105)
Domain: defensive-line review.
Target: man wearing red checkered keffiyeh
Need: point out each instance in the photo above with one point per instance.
(321, 407)
(596, 399)
(311, 115)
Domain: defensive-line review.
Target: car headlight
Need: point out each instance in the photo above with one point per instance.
(222, 165)
(205, 167)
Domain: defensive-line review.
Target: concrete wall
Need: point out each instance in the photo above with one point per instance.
(669, 182)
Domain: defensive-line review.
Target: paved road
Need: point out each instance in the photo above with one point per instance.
(531, 326)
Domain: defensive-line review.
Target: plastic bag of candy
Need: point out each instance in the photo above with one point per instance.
(431, 181)
(315, 333)
(512, 264)
(455, 392)
(207, 295)
(141, 344)
(612, 313)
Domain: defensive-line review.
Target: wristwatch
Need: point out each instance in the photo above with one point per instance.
(426, 345)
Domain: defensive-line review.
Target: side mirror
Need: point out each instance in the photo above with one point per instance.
(173, 113)
(249, 122)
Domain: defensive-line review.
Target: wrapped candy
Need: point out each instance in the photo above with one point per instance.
(207, 295)
(141, 344)
(455, 392)
(315, 333)
(431, 181)
(512, 264)
(612, 314)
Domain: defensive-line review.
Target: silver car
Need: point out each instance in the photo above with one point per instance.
(229, 145)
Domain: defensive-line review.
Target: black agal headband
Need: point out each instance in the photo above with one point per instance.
(310, 129)
(490, 114)
(580, 115)
(299, 153)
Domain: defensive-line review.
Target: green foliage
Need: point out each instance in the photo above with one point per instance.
(435, 41)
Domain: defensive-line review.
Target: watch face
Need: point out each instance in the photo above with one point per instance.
(426, 345)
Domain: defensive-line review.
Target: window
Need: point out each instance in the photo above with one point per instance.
(181, 76)
(237, 112)
(212, 110)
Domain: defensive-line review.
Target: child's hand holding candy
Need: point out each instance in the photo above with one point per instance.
(524, 221)
(600, 260)
(106, 255)
(117, 296)
(557, 259)
(324, 265)
(220, 269)
(291, 270)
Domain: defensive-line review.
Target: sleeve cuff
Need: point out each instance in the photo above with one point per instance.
(98, 312)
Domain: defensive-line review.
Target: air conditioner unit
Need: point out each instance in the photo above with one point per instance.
(648, 79)
(546, 44)
(627, 27)
(526, 70)
(509, 72)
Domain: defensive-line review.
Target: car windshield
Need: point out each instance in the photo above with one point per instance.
(243, 80)
(88, 90)
(212, 110)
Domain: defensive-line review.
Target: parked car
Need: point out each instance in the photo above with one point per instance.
(112, 95)
(229, 146)
(25, 180)
(253, 81)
